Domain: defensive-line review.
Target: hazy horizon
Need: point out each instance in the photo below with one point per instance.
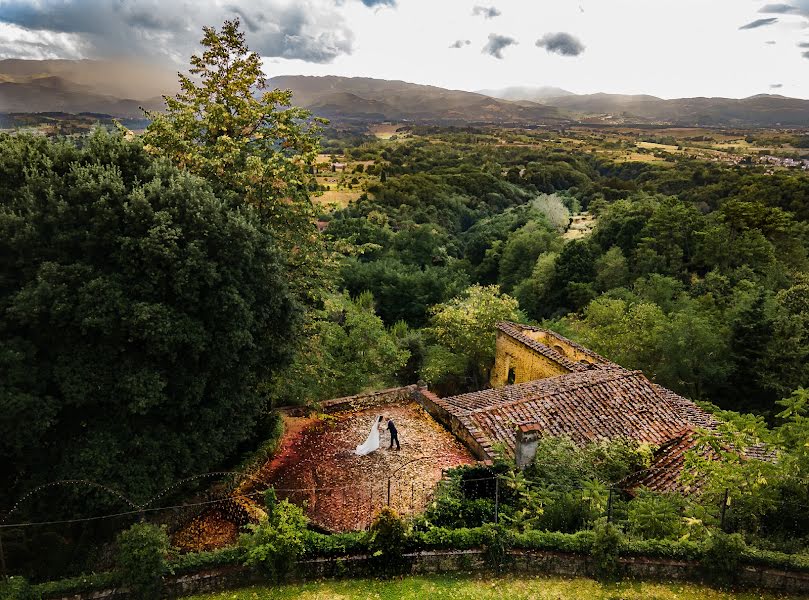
(669, 49)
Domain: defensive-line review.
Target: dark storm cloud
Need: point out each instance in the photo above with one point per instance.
(308, 30)
(460, 43)
(561, 43)
(496, 44)
(488, 12)
(760, 23)
(778, 9)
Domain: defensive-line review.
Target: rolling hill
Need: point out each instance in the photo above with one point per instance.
(363, 98)
(764, 110)
(116, 88)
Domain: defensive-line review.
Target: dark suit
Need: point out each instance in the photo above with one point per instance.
(394, 435)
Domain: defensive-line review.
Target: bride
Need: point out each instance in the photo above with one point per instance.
(372, 441)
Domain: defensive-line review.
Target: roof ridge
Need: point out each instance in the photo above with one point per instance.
(504, 325)
(614, 375)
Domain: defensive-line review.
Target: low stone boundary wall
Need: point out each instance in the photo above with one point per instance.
(356, 402)
(432, 404)
(521, 562)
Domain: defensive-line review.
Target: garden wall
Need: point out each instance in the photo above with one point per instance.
(356, 402)
(421, 563)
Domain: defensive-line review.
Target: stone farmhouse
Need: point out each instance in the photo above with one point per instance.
(544, 384)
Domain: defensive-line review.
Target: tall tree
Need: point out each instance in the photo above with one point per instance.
(249, 142)
(464, 328)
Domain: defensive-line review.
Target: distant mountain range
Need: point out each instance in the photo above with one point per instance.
(529, 94)
(122, 88)
(73, 86)
(362, 98)
(767, 110)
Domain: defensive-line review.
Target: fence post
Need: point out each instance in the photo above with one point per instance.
(609, 507)
(724, 508)
(496, 500)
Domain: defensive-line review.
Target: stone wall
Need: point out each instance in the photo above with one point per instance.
(461, 430)
(448, 561)
(527, 364)
(357, 402)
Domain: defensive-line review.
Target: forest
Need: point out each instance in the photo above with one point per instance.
(696, 273)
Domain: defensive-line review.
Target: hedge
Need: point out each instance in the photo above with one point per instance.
(191, 563)
(76, 585)
(319, 545)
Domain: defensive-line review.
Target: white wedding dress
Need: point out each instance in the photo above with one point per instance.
(371, 442)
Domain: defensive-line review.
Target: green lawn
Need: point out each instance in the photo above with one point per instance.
(473, 588)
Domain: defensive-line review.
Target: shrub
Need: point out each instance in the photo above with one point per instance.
(16, 588)
(196, 561)
(498, 540)
(142, 551)
(581, 541)
(274, 545)
(653, 516)
(722, 555)
(74, 586)
(605, 550)
(337, 544)
(388, 538)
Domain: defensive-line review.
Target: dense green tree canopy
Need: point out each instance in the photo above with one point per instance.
(138, 314)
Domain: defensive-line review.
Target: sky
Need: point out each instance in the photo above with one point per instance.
(666, 48)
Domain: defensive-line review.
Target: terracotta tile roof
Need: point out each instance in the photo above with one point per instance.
(689, 411)
(664, 474)
(603, 402)
(517, 332)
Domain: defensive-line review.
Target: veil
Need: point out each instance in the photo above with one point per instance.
(372, 441)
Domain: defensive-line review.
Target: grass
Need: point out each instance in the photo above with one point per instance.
(337, 197)
(446, 587)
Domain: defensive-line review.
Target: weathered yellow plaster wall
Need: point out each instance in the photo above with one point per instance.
(527, 364)
(560, 346)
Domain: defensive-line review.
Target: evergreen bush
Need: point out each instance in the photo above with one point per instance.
(142, 553)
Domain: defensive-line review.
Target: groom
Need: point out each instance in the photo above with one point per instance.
(394, 435)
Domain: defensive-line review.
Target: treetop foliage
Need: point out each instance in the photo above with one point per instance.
(139, 312)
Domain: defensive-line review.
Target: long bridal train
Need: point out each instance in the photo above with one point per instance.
(371, 443)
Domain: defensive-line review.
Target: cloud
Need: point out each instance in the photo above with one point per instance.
(497, 43)
(17, 42)
(309, 30)
(805, 54)
(803, 45)
(770, 42)
(561, 43)
(488, 12)
(778, 9)
(372, 3)
(775, 86)
(760, 23)
(460, 43)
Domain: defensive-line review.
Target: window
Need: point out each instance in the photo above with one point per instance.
(512, 376)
